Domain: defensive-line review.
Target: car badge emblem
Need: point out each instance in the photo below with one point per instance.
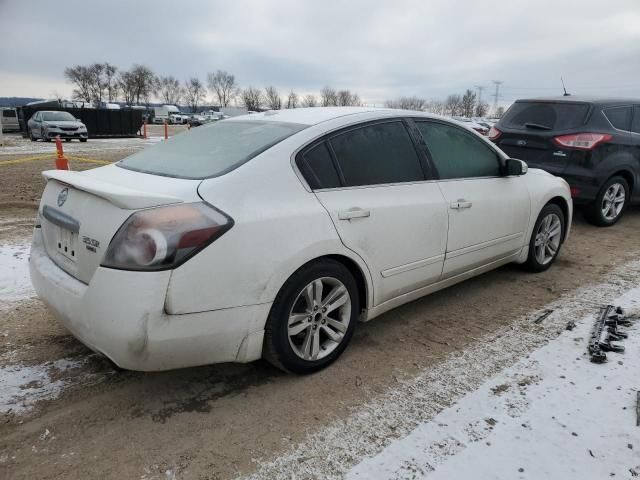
(521, 143)
(62, 196)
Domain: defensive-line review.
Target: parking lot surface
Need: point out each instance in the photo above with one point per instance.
(66, 412)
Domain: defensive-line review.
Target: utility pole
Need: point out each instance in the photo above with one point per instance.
(496, 95)
(480, 89)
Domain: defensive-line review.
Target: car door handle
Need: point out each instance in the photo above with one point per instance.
(460, 204)
(353, 213)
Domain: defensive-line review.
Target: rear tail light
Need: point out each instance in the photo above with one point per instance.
(582, 141)
(575, 192)
(494, 133)
(165, 237)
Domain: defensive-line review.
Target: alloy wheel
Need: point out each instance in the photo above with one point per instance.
(613, 201)
(548, 238)
(319, 318)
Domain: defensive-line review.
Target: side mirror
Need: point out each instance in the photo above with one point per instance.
(514, 167)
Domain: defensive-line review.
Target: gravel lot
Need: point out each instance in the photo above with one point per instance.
(67, 413)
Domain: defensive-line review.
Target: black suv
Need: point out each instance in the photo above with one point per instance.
(593, 144)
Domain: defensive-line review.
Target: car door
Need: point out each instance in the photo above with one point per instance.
(488, 212)
(635, 138)
(34, 124)
(372, 181)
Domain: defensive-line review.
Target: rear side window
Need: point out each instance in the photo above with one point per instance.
(9, 113)
(211, 150)
(545, 115)
(377, 154)
(620, 117)
(318, 169)
(635, 126)
(457, 154)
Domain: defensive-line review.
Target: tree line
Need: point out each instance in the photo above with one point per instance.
(455, 105)
(104, 82)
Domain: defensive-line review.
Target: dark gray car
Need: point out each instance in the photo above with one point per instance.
(49, 124)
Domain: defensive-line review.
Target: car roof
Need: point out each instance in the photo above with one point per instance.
(581, 99)
(315, 115)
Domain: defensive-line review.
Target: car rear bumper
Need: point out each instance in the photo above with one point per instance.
(121, 314)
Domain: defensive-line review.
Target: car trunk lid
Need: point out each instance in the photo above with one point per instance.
(81, 211)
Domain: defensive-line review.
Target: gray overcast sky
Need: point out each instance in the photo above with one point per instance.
(379, 49)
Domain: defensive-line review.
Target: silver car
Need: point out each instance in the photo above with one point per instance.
(49, 124)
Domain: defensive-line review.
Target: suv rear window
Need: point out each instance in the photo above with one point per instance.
(545, 115)
(210, 150)
(8, 113)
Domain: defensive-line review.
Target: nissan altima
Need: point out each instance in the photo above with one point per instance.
(272, 235)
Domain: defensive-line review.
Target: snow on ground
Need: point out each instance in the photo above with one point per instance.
(22, 386)
(15, 283)
(553, 415)
(19, 145)
(331, 452)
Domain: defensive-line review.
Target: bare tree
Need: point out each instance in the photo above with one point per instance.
(452, 105)
(252, 98)
(309, 101)
(80, 77)
(344, 98)
(137, 84)
(194, 92)
(169, 89)
(223, 85)
(481, 109)
(292, 99)
(407, 103)
(127, 85)
(467, 106)
(499, 112)
(272, 97)
(435, 106)
(111, 81)
(328, 97)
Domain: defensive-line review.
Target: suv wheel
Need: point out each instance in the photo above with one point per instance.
(312, 318)
(610, 203)
(546, 238)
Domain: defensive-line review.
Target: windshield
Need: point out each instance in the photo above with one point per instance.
(545, 115)
(57, 117)
(211, 150)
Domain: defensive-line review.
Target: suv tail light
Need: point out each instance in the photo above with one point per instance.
(582, 141)
(165, 237)
(494, 133)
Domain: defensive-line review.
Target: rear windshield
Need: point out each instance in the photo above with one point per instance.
(545, 115)
(211, 150)
(8, 113)
(57, 116)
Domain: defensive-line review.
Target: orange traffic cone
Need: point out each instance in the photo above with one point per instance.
(61, 161)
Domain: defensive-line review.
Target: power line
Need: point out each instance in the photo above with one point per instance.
(496, 95)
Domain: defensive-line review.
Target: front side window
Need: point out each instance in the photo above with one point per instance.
(457, 154)
(377, 154)
(620, 117)
(211, 150)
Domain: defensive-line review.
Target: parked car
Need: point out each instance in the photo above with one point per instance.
(50, 124)
(270, 235)
(163, 114)
(594, 144)
(10, 120)
(178, 118)
(467, 122)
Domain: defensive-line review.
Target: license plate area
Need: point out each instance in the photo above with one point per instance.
(66, 243)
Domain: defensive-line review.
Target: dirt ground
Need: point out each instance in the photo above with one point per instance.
(214, 422)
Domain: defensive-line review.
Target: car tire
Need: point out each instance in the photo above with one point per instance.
(83, 139)
(67, 140)
(31, 137)
(610, 203)
(546, 239)
(303, 335)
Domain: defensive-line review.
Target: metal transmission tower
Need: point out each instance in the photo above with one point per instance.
(480, 89)
(496, 95)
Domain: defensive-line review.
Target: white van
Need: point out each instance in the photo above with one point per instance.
(10, 120)
(162, 114)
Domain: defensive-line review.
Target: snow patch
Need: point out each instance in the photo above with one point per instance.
(22, 386)
(552, 415)
(15, 283)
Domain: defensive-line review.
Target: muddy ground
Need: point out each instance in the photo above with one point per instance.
(215, 422)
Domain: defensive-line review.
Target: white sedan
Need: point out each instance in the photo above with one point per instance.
(271, 235)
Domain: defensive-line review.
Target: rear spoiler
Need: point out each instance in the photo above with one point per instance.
(122, 197)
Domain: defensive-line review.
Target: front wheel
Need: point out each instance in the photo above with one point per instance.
(546, 239)
(83, 139)
(312, 318)
(610, 203)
